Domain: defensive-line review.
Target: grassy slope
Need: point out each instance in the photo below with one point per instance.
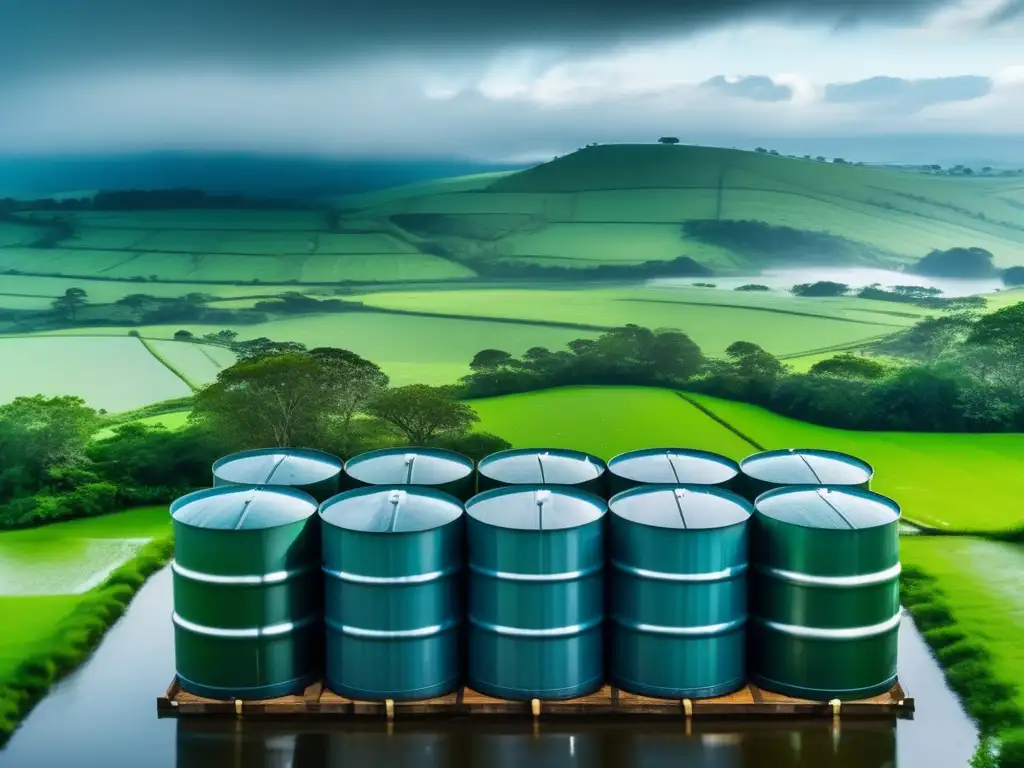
(982, 584)
(949, 481)
(50, 563)
(587, 206)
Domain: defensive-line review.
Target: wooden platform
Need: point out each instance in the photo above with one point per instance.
(748, 702)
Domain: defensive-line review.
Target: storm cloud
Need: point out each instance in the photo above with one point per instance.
(40, 37)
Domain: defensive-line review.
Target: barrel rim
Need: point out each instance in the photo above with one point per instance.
(820, 452)
(311, 453)
(718, 458)
(565, 490)
(221, 490)
(571, 453)
(369, 490)
(711, 490)
(454, 456)
(851, 490)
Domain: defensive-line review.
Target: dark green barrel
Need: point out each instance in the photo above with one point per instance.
(315, 472)
(678, 612)
(436, 468)
(801, 466)
(541, 466)
(247, 591)
(825, 611)
(536, 592)
(670, 466)
(392, 560)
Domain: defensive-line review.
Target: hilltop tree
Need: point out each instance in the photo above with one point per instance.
(363, 381)
(489, 360)
(668, 140)
(67, 306)
(849, 366)
(422, 413)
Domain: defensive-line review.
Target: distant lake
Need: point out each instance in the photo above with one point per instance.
(784, 279)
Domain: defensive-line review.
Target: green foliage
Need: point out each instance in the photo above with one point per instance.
(422, 413)
(768, 244)
(822, 288)
(77, 635)
(68, 305)
(752, 287)
(955, 262)
(137, 455)
(1011, 749)
(849, 366)
(475, 445)
(1013, 276)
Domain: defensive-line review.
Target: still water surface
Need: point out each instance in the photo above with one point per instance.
(105, 716)
(784, 279)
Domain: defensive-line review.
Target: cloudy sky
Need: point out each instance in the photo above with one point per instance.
(524, 79)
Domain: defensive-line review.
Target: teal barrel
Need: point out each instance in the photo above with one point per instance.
(825, 611)
(542, 466)
(315, 472)
(801, 466)
(247, 591)
(536, 592)
(678, 585)
(436, 468)
(670, 466)
(393, 566)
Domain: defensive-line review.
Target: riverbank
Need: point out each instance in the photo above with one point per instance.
(77, 635)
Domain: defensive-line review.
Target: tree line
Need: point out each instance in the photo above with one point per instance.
(962, 372)
(278, 394)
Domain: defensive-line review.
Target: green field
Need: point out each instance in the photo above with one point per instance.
(963, 482)
(44, 572)
(115, 373)
(982, 584)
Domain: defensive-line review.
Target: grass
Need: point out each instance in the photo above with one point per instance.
(981, 583)
(114, 373)
(175, 420)
(962, 482)
(605, 421)
(72, 636)
(196, 363)
(714, 319)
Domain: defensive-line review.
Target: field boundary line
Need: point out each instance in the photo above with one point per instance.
(716, 418)
(166, 364)
(767, 309)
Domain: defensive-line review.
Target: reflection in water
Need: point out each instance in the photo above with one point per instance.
(462, 744)
(104, 715)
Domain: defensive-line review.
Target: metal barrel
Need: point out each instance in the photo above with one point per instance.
(678, 572)
(393, 565)
(436, 468)
(670, 466)
(801, 466)
(825, 610)
(536, 592)
(542, 466)
(247, 591)
(315, 472)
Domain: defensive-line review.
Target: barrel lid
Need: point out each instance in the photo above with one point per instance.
(242, 507)
(806, 466)
(390, 510)
(674, 465)
(277, 466)
(685, 507)
(534, 466)
(827, 507)
(409, 466)
(536, 508)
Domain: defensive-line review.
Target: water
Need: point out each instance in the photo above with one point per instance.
(105, 716)
(784, 279)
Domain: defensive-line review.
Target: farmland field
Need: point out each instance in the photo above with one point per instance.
(962, 482)
(45, 571)
(198, 363)
(174, 420)
(115, 373)
(982, 584)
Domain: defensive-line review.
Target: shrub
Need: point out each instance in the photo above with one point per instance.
(1011, 750)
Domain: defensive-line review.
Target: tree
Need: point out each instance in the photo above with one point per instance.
(276, 400)
(956, 262)
(184, 336)
(38, 434)
(849, 366)
(762, 150)
(490, 360)
(67, 306)
(351, 383)
(821, 288)
(753, 362)
(1013, 276)
(668, 140)
(422, 413)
